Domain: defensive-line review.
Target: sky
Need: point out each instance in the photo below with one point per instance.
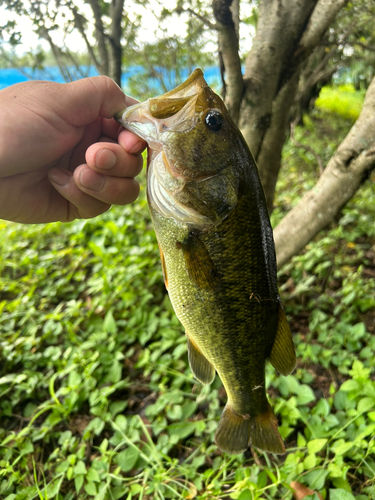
(147, 32)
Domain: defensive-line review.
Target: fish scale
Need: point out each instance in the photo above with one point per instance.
(217, 253)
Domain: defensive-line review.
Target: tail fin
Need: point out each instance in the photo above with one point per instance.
(235, 432)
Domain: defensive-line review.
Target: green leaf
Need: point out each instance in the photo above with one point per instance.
(182, 430)
(245, 495)
(341, 483)
(305, 395)
(350, 385)
(340, 494)
(301, 441)
(93, 475)
(366, 404)
(109, 323)
(121, 422)
(27, 448)
(80, 468)
(175, 412)
(340, 447)
(310, 461)
(127, 459)
(90, 489)
(117, 407)
(316, 478)
(316, 445)
(78, 482)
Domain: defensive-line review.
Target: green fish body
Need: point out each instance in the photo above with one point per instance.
(216, 244)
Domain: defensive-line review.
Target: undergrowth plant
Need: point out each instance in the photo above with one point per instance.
(96, 397)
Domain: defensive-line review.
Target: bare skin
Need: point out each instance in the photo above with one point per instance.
(62, 155)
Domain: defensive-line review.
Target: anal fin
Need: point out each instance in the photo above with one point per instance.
(283, 356)
(202, 369)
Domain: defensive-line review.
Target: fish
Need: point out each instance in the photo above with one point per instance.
(217, 254)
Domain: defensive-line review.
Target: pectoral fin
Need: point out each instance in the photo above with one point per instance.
(163, 267)
(283, 357)
(199, 264)
(202, 369)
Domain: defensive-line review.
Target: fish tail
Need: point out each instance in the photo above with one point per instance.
(232, 434)
(236, 433)
(264, 434)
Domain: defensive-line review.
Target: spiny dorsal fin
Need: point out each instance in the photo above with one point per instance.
(202, 369)
(199, 264)
(283, 357)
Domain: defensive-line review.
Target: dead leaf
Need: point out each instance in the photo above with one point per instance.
(301, 491)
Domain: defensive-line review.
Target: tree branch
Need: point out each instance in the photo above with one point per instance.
(79, 21)
(100, 36)
(320, 20)
(345, 172)
(366, 47)
(204, 20)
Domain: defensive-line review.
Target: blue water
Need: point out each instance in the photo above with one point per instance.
(11, 76)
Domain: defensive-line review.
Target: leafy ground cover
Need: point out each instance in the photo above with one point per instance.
(96, 397)
(343, 100)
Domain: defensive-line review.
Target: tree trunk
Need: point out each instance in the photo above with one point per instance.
(228, 47)
(115, 62)
(345, 172)
(287, 33)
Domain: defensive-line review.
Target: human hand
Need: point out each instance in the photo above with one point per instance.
(62, 155)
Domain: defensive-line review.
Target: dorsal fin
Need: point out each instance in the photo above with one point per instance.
(283, 357)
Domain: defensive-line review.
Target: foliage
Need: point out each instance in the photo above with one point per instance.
(164, 64)
(96, 397)
(343, 100)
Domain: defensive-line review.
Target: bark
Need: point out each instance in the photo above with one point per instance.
(287, 33)
(345, 172)
(117, 7)
(280, 27)
(100, 37)
(274, 138)
(228, 47)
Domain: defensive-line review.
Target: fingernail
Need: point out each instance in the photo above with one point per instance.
(105, 158)
(59, 176)
(91, 180)
(137, 148)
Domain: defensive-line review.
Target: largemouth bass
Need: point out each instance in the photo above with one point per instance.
(217, 253)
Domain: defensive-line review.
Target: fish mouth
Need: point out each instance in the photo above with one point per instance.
(175, 111)
(154, 120)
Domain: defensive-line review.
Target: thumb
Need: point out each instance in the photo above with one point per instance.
(84, 100)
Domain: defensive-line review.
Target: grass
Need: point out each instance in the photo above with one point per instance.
(96, 397)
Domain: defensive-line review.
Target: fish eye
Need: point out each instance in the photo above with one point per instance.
(214, 120)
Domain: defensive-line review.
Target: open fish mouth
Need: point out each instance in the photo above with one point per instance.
(155, 121)
(175, 111)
